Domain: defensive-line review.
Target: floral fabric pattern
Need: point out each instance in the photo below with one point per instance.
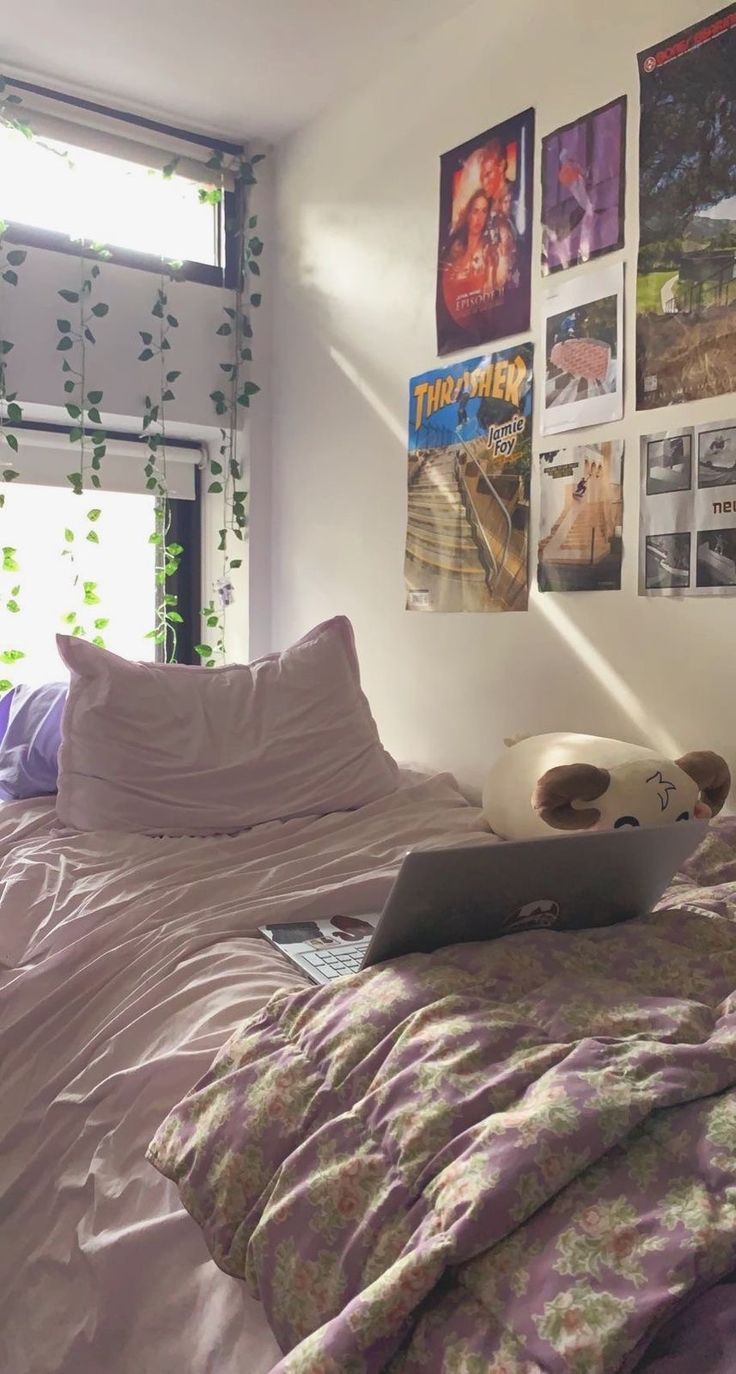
(515, 1157)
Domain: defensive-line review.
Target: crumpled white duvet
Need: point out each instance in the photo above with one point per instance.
(125, 962)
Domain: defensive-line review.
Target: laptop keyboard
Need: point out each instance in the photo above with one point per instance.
(333, 962)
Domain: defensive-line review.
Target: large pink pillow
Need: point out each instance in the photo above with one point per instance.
(195, 751)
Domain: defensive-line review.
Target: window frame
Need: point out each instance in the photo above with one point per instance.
(208, 274)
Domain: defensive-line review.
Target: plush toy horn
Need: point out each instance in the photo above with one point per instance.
(712, 775)
(556, 791)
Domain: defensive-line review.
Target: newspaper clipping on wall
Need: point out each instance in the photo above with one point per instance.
(688, 511)
(581, 518)
(686, 286)
(584, 339)
(485, 236)
(469, 472)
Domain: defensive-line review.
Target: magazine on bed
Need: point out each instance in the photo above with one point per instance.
(324, 949)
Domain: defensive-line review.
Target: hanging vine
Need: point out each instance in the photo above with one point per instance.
(156, 345)
(226, 471)
(86, 433)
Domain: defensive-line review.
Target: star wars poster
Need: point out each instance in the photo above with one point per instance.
(470, 427)
(485, 237)
(688, 511)
(583, 188)
(581, 518)
(583, 325)
(686, 289)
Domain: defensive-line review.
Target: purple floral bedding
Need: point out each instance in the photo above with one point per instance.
(510, 1158)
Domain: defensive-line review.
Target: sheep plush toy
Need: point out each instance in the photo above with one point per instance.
(555, 784)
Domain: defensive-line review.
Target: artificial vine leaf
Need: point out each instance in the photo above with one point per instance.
(254, 268)
(10, 277)
(90, 594)
(94, 397)
(96, 483)
(9, 474)
(174, 615)
(145, 355)
(15, 591)
(75, 435)
(252, 222)
(78, 632)
(255, 246)
(70, 296)
(209, 197)
(151, 484)
(94, 514)
(69, 386)
(229, 311)
(12, 442)
(250, 388)
(146, 338)
(93, 537)
(94, 415)
(101, 623)
(234, 467)
(215, 487)
(12, 606)
(89, 336)
(69, 536)
(64, 326)
(16, 257)
(65, 343)
(172, 376)
(256, 299)
(66, 366)
(175, 549)
(165, 345)
(167, 171)
(9, 560)
(236, 562)
(168, 395)
(158, 310)
(155, 538)
(75, 481)
(227, 367)
(203, 650)
(11, 655)
(99, 641)
(74, 410)
(225, 329)
(15, 414)
(172, 321)
(215, 467)
(6, 346)
(246, 355)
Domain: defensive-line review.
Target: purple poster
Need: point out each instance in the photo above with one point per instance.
(583, 188)
(485, 237)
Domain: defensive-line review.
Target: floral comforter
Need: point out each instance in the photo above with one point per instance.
(510, 1158)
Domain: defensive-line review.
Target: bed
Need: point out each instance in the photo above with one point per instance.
(125, 963)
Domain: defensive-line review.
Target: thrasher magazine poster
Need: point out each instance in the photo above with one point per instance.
(688, 511)
(469, 471)
(485, 237)
(584, 336)
(581, 518)
(583, 188)
(686, 286)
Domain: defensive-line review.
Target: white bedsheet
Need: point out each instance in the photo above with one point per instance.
(125, 962)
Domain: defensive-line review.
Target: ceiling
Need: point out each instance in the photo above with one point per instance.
(236, 67)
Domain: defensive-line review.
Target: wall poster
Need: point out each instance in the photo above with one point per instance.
(470, 431)
(584, 188)
(581, 518)
(485, 237)
(583, 326)
(686, 288)
(688, 511)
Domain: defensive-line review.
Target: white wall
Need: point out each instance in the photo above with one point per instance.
(357, 216)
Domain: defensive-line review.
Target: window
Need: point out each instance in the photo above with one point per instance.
(140, 188)
(62, 567)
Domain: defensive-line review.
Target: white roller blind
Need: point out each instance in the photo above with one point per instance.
(44, 459)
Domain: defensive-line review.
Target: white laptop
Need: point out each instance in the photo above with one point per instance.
(481, 892)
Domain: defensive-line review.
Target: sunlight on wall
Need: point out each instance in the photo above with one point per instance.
(351, 372)
(611, 681)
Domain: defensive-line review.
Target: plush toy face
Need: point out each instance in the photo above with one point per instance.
(649, 794)
(639, 792)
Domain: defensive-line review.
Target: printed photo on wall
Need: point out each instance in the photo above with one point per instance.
(688, 511)
(467, 539)
(581, 519)
(583, 324)
(584, 188)
(686, 287)
(485, 237)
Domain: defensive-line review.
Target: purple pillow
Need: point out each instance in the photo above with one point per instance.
(30, 735)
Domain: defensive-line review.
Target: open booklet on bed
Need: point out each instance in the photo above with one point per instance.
(324, 949)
